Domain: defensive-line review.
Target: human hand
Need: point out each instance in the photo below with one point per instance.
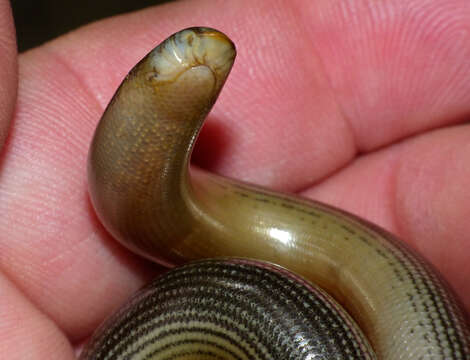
(361, 106)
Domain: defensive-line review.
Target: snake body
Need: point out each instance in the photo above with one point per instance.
(147, 197)
(229, 309)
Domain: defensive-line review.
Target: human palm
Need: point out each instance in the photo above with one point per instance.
(359, 104)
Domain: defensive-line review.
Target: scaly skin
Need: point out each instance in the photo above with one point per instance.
(145, 195)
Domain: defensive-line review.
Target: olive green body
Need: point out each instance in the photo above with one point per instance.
(148, 199)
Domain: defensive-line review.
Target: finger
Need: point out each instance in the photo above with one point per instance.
(417, 189)
(65, 86)
(8, 69)
(320, 76)
(396, 68)
(26, 333)
(322, 81)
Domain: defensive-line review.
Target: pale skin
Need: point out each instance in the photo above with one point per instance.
(362, 106)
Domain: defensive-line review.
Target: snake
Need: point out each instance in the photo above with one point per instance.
(259, 274)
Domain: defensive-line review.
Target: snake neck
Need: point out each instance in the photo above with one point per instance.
(149, 129)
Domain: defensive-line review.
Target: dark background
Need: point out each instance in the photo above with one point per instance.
(40, 20)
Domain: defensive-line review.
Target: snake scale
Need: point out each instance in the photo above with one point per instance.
(252, 302)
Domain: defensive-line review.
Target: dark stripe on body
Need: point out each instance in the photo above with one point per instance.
(280, 312)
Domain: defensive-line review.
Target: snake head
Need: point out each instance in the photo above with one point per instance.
(190, 48)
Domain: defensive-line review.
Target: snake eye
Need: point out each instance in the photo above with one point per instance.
(152, 75)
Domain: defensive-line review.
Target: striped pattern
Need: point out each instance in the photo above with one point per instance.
(228, 309)
(146, 198)
(422, 316)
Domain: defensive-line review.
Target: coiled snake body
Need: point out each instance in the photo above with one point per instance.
(231, 308)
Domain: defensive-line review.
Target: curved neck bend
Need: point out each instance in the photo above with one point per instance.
(139, 156)
(139, 185)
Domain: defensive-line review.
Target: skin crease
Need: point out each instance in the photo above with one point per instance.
(393, 147)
